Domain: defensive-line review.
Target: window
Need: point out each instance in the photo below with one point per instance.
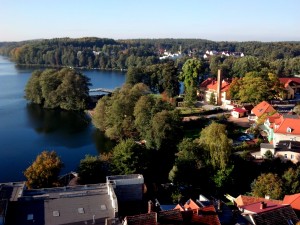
(285, 156)
(55, 213)
(289, 130)
(80, 210)
(292, 156)
(103, 207)
(29, 216)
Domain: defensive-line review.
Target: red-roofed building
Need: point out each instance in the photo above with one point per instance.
(286, 129)
(262, 108)
(293, 201)
(292, 86)
(200, 212)
(269, 213)
(209, 87)
(218, 88)
(191, 205)
(238, 112)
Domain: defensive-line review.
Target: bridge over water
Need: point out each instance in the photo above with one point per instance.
(106, 90)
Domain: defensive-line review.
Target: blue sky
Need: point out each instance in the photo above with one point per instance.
(217, 20)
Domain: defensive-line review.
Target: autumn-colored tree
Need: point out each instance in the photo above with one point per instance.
(44, 171)
(267, 184)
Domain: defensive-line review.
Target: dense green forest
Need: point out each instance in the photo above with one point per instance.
(283, 58)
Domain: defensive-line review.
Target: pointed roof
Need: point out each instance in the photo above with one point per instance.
(293, 200)
(261, 108)
(191, 205)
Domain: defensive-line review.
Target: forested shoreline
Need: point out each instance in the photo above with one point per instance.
(283, 58)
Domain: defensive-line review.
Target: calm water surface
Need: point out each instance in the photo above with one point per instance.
(26, 130)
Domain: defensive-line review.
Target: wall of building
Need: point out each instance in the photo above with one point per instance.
(283, 137)
(288, 155)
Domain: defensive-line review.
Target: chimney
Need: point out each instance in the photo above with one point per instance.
(150, 206)
(219, 86)
(263, 205)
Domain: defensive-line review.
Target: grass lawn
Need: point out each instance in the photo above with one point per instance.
(189, 111)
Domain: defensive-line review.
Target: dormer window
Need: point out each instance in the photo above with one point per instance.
(289, 130)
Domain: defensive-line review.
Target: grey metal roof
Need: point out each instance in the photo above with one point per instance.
(78, 209)
(266, 145)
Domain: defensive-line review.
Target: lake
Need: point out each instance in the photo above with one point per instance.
(26, 130)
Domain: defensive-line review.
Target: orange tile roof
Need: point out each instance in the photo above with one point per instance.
(178, 206)
(293, 200)
(273, 117)
(243, 200)
(191, 205)
(214, 86)
(261, 108)
(293, 124)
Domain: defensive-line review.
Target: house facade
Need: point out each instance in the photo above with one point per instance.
(291, 85)
(263, 108)
(286, 129)
(217, 88)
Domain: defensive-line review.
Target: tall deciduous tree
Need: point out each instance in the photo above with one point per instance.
(214, 139)
(114, 114)
(129, 157)
(65, 89)
(44, 171)
(188, 162)
(92, 170)
(165, 130)
(291, 181)
(246, 64)
(267, 184)
(190, 74)
(254, 89)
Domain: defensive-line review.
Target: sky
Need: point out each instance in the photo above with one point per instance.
(216, 20)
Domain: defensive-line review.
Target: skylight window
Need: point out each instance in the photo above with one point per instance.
(56, 213)
(81, 210)
(29, 216)
(103, 207)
